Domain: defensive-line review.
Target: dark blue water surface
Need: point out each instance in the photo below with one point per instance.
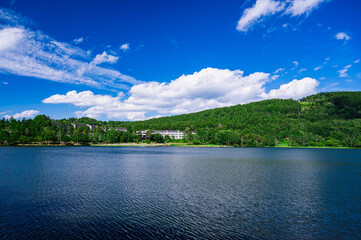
(179, 193)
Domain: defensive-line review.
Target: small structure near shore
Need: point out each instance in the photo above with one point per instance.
(92, 127)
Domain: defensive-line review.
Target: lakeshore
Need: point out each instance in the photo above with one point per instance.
(173, 144)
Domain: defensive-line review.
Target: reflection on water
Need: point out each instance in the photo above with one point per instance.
(212, 193)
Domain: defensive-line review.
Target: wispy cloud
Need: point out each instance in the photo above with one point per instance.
(125, 47)
(2, 113)
(343, 72)
(299, 7)
(317, 68)
(104, 58)
(279, 70)
(265, 8)
(78, 40)
(260, 9)
(31, 53)
(295, 63)
(24, 114)
(302, 70)
(206, 89)
(342, 36)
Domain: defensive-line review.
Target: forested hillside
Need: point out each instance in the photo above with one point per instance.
(325, 119)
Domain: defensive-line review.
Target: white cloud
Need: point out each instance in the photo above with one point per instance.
(125, 47)
(5, 83)
(104, 57)
(279, 70)
(10, 37)
(317, 68)
(299, 7)
(263, 8)
(342, 36)
(302, 70)
(85, 98)
(343, 72)
(274, 77)
(24, 114)
(78, 40)
(357, 61)
(296, 63)
(33, 54)
(260, 9)
(206, 89)
(295, 89)
(9, 17)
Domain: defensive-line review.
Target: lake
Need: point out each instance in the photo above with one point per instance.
(179, 193)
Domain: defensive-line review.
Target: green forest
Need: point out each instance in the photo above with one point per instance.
(326, 119)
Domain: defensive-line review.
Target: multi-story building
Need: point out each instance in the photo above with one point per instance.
(171, 133)
(176, 134)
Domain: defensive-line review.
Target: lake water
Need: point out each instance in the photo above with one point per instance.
(179, 193)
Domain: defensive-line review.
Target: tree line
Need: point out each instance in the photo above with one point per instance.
(325, 119)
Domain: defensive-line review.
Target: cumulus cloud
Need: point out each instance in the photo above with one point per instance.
(295, 89)
(24, 114)
(343, 72)
(85, 98)
(31, 53)
(260, 9)
(299, 7)
(342, 36)
(264, 8)
(206, 89)
(104, 57)
(125, 47)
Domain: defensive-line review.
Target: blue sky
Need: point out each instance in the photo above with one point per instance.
(130, 60)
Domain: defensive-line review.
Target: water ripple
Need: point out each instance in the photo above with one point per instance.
(179, 193)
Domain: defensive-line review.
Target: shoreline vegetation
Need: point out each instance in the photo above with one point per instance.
(154, 144)
(324, 120)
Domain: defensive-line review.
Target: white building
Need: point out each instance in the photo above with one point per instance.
(176, 134)
(171, 133)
